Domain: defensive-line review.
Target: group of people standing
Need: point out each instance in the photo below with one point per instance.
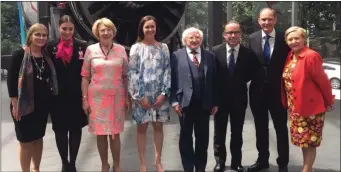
(97, 85)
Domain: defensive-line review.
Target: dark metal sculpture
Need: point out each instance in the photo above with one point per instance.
(125, 14)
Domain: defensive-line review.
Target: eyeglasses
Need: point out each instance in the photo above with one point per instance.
(193, 38)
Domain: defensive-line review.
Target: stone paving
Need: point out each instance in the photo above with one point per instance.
(328, 158)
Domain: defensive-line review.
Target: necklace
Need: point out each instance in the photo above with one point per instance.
(40, 69)
(106, 55)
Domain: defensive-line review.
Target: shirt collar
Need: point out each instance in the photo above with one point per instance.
(272, 34)
(236, 48)
(198, 50)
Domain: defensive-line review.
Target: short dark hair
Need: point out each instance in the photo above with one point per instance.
(232, 21)
(140, 34)
(65, 19)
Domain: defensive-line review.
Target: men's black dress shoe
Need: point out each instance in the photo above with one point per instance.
(238, 168)
(200, 170)
(72, 168)
(258, 166)
(283, 169)
(65, 168)
(219, 167)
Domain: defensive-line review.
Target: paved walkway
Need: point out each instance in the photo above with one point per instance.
(328, 158)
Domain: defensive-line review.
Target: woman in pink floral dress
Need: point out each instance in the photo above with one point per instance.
(104, 89)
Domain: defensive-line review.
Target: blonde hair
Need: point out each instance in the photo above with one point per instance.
(34, 28)
(106, 22)
(296, 29)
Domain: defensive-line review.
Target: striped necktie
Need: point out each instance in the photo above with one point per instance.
(195, 59)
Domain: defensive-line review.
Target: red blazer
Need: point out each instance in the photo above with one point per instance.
(311, 87)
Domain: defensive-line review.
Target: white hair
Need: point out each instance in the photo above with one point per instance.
(188, 31)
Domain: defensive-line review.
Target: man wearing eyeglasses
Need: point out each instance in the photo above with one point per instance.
(234, 68)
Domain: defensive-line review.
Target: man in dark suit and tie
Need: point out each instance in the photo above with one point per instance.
(194, 97)
(271, 50)
(234, 69)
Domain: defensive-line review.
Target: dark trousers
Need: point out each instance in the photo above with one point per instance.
(237, 117)
(279, 117)
(194, 117)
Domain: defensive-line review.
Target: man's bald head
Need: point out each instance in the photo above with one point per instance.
(267, 9)
(267, 19)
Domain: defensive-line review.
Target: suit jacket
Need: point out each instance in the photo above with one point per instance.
(311, 88)
(233, 88)
(181, 87)
(267, 73)
(69, 78)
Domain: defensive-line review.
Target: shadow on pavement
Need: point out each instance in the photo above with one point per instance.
(274, 168)
(295, 168)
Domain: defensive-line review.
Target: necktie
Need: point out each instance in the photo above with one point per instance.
(195, 59)
(232, 63)
(267, 50)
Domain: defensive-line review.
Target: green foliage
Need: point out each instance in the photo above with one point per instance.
(10, 37)
(242, 10)
(197, 14)
(314, 11)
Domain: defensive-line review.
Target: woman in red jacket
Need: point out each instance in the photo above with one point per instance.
(306, 93)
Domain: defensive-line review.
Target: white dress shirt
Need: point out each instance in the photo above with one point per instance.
(198, 55)
(190, 55)
(271, 40)
(235, 53)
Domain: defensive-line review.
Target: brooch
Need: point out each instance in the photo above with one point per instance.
(80, 54)
(54, 51)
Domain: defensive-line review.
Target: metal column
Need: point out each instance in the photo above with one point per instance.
(215, 23)
(294, 13)
(43, 13)
(229, 10)
(21, 25)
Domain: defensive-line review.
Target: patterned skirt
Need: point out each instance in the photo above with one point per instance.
(306, 131)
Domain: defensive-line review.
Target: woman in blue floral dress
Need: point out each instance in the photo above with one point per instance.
(149, 87)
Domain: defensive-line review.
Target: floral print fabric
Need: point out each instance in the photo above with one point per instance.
(305, 131)
(106, 91)
(150, 76)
